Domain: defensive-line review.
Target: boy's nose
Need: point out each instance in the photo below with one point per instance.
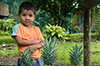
(27, 17)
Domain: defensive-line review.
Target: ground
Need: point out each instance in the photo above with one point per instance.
(8, 61)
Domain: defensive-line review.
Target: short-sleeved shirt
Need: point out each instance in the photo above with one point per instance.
(27, 34)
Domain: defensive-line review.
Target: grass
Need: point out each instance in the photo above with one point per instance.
(63, 53)
(10, 49)
(6, 39)
(95, 53)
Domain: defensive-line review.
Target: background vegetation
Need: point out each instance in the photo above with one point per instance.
(54, 18)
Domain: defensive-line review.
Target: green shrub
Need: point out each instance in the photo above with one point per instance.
(6, 39)
(74, 36)
(78, 36)
(7, 24)
(5, 33)
(57, 31)
(44, 35)
(76, 28)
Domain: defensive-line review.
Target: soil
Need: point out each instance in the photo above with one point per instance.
(8, 61)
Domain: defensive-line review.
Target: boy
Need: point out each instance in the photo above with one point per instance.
(26, 35)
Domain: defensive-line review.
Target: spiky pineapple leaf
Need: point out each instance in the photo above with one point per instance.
(75, 54)
(49, 51)
(26, 57)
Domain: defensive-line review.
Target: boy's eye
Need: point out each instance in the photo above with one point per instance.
(30, 15)
(24, 14)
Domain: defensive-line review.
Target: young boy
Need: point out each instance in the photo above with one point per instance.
(26, 35)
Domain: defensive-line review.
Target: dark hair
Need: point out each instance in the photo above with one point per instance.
(28, 6)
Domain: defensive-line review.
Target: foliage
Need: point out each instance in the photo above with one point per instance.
(5, 33)
(70, 22)
(57, 8)
(79, 36)
(49, 52)
(96, 22)
(6, 25)
(41, 21)
(76, 28)
(75, 55)
(75, 36)
(57, 31)
(6, 39)
(26, 57)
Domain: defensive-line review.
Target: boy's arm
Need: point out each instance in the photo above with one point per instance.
(36, 46)
(21, 41)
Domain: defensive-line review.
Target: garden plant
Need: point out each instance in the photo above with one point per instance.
(26, 57)
(49, 52)
(76, 55)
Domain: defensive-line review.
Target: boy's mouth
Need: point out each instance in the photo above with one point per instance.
(27, 21)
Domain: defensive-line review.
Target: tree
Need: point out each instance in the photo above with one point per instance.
(57, 9)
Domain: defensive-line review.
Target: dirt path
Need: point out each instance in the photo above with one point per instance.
(8, 61)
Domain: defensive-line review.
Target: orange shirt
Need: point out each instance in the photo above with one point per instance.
(28, 34)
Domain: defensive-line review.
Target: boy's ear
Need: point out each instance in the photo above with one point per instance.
(19, 16)
(34, 16)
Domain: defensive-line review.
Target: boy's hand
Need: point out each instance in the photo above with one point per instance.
(34, 47)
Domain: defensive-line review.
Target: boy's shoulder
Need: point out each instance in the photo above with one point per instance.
(17, 24)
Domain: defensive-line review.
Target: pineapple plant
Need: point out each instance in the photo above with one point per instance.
(26, 57)
(49, 52)
(75, 55)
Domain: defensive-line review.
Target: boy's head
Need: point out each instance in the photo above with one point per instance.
(28, 6)
(27, 13)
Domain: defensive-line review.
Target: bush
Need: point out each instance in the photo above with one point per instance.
(76, 28)
(7, 24)
(57, 31)
(75, 36)
(6, 39)
(5, 33)
(79, 36)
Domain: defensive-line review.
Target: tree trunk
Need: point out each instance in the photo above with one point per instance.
(87, 36)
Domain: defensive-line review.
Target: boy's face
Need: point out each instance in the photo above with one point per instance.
(26, 17)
